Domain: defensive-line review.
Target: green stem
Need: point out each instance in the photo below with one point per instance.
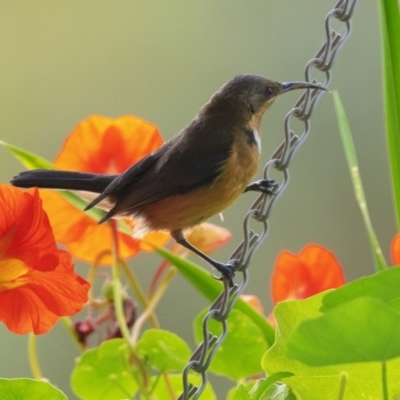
(343, 381)
(152, 305)
(69, 326)
(32, 355)
(351, 157)
(384, 381)
(117, 290)
(390, 23)
(93, 271)
(119, 308)
(139, 292)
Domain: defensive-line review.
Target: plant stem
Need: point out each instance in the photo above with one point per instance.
(119, 308)
(343, 381)
(160, 270)
(152, 305)
(351, 157)
(93, 271)
(390, 23)
(385, 391)
(32, 355)
(69, 326)
(140, 294)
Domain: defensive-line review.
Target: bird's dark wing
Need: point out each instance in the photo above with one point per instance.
(177, 168)
(175, 175)
(125, 179)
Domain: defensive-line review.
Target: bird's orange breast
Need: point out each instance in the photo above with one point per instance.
(184, 211)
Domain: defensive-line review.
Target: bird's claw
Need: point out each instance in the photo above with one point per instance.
(267, 186)
(227, 272)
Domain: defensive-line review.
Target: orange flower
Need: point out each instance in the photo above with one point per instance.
(395, 250)
(100, 145)
(37, 281)
(314, 270)
(206, 237)
(253, 301)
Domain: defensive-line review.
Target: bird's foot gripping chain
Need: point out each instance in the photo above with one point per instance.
(227, 271)
(267, 186)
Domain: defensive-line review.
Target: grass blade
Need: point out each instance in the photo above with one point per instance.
(390, 26)
(352, 163)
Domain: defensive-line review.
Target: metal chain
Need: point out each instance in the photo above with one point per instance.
(262, 207)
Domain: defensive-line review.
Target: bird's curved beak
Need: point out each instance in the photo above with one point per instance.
(288, 86)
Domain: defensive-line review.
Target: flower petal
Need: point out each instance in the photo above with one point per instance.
(395, 249)
(314, 270)
(289, 277)
(105, 145)
(33, 240)
(22, 311)
(47, 295)
(62, 290)
(324, 268)
(208, 237)
(85, 238)
(37, 281)
(101, 145)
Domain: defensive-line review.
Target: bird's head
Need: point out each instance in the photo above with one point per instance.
(247, 97)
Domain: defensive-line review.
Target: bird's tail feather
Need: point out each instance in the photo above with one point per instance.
(68, 180)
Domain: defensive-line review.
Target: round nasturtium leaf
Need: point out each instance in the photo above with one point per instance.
(105, 372)
(163, 350)
(24, 388)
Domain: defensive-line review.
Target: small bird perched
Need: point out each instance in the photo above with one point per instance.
(195, 175)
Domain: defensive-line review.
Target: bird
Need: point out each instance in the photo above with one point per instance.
(198, 173)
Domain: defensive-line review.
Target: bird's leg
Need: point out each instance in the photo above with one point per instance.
(225, 269)
(264, 186)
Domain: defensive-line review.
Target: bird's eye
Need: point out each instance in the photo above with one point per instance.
(270, 91)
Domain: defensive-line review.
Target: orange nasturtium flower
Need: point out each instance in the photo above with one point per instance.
(206, 237)
(312, 271)
(395, 250)
(101, 145)
(37, 281)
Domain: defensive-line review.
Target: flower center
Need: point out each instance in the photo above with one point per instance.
(12, 273)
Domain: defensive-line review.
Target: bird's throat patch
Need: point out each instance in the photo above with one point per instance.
(253, 138)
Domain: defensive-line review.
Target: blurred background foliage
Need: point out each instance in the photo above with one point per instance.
(161, 60)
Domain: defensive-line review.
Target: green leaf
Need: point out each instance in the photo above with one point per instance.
(164, 350)
(162, 392)
(345, 334)
(263, 389)
(210, 288)
(24, 388)
(383, 286)
(390, 24)
(240, 354)
(269, 384)
(278, 392)
(105, 373)
(240, 393)
(355, 380)
(380, 263)
(28, 159)
(33, 161)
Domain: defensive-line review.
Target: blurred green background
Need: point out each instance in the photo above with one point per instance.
(161, 60)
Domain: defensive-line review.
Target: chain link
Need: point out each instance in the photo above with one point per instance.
(262, 207)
